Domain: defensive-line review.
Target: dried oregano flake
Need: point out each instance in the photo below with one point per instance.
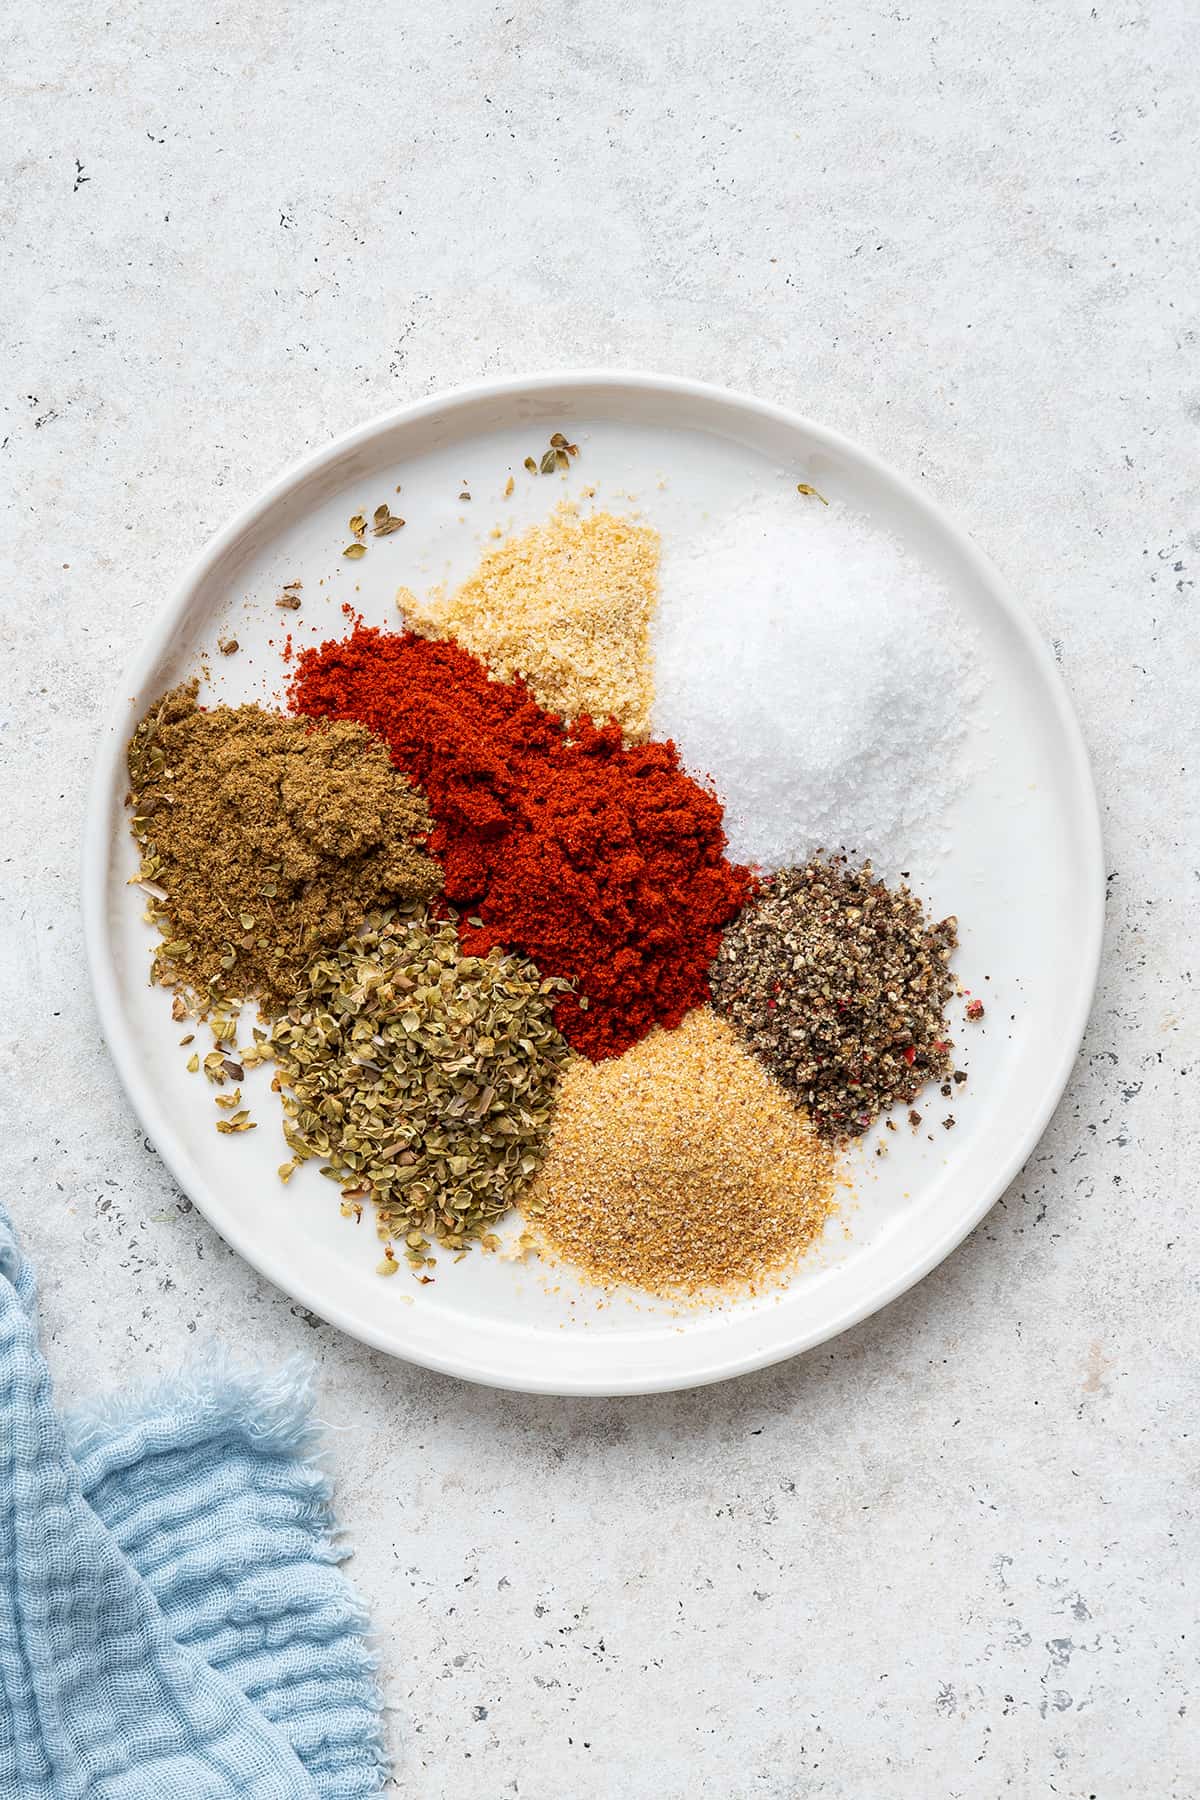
(423, 1078)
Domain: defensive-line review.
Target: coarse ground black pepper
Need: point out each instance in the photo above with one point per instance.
(839, 983)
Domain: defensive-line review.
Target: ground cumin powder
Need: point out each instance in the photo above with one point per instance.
(680, 1167)
(567, 606)
(265, 839)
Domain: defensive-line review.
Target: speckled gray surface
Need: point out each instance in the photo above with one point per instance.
(949, 1553)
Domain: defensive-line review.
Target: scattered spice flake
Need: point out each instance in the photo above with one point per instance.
(974, 1009)
(508, 487)
(558, 456)
(228, 646)
(355, 551)
(358, 526)
(385, 521)
(802, 487)
(241, 1121)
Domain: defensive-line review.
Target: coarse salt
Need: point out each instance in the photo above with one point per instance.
(818, 675)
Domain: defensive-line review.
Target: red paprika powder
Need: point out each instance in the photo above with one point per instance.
(604, 864)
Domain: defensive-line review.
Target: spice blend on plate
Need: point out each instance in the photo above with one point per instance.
(840, 984)
(264, 839)
(737, 1028)
(680, 1167)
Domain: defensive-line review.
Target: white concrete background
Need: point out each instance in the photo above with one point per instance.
(947, 1555)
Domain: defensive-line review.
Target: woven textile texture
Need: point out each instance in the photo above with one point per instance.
(174, 1624)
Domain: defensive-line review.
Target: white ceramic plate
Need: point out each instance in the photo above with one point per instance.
(1024, 874)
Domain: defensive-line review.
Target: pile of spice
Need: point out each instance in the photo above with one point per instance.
(840, 984)
(567, 607)
(680, 1168)
(603, 863)
(819, 674)
(423, 1077)
(264, 839)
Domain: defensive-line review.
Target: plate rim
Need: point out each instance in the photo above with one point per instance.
(97, 845)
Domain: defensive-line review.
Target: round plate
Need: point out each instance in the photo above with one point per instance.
(1023, 873)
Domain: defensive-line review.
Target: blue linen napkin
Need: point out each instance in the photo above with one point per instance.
(174, 1624)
